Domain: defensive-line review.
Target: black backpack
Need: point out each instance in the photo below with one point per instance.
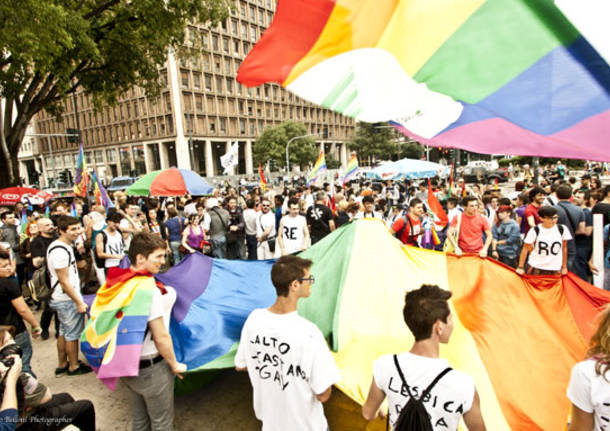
(413, 415)
(100, 262)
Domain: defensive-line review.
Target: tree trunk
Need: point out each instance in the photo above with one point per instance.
(8, 178)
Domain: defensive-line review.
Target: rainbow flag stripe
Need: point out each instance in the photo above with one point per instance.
(482, 75)
(81, 179)
(352, 168)
(318, 168)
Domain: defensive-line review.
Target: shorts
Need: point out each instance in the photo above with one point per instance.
(71, 322)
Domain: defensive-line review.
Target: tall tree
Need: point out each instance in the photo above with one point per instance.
(375, 141)
(271, 144)
(51, 48)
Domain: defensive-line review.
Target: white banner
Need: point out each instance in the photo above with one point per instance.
(230, 158)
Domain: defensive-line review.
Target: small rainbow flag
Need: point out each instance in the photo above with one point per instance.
(100, 195)
(24, 221)
(352, 168)
(261, 175)
(81, 179)
(318, 168)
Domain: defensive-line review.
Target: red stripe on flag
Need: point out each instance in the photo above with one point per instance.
(294, 31)
(436, 207)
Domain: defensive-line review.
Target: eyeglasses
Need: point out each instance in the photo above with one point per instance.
(311, 279)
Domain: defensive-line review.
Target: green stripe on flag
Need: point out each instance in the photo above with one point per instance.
(346, 101)
(497, 43)
(338, 90)
(331, 257)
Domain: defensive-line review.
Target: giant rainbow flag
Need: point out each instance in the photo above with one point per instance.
(517, 336)
(482, 75)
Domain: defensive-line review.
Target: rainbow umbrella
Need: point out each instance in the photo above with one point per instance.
(170, 182)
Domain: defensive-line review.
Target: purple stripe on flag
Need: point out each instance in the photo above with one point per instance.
(125, 362)
(190, 278)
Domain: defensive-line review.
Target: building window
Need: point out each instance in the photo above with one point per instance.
(236, 47)
(234, 28)
(225, 45)
(208, 82)
(125, 160)
(223, 125)
(227, 70)
(139, 160)
(215, 46)
(185, 78)
(219, 84)
(196, 80)
(229, 85)
(242, 126)
(212, 126)
(199, 103)
(253, 33)
(244, 31)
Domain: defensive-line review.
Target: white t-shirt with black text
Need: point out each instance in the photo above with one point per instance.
(449, 399)
(161, 306)
(293, 233)
(114, 245)
(288, 363)
(60, 255)
(590, 392)
(548, 247)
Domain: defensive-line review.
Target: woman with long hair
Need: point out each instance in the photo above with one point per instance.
(589, 387)
(193, 235)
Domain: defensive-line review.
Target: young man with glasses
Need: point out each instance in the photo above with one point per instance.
(288, 361)
(547, 245)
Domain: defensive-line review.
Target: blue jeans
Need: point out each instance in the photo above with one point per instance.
(71, 322)
(24, 341)
(219, 247)
(174, 246)
(252, 245)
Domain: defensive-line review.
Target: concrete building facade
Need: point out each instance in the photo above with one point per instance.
(200, 112)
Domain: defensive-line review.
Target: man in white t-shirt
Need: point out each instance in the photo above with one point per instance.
(368, 202)
(287, 359)
(428, 317)
(152, 390)
(547, 245)
(293, 234)
(265, 231)
(66, 298)
(109, 244)
(250, 221)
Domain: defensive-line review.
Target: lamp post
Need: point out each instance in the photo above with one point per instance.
(288, 145)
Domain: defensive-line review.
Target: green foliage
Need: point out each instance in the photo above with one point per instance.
(52, 48)
(377, 141)
(332, 163)
(271, 144)
(411, 150)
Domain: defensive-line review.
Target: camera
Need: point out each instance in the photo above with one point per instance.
(9, 350)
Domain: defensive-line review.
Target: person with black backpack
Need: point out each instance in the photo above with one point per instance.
(109, 244)
(424, 393)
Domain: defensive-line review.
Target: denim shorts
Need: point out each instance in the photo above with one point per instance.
(71, 322)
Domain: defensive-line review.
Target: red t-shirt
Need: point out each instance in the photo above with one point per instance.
(530, 210)
(470, 238)
(411, 232)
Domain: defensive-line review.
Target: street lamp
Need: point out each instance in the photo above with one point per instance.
(288, 144)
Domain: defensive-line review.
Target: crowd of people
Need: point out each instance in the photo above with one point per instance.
(74, 248)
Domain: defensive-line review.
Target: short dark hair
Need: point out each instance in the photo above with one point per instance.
(144, 243)
(4, 215)
(368, 199)
(250, 203)
(519, 186)
(564, 192)
(116, 217)
(467, 199)
(453, 200)
(286, 270)
(415, 201)
(4, 254)
(504, 201)
(423, 307)
(535, 191)
(292, 201)
(63, 222)
(606, 191)
(547, 211)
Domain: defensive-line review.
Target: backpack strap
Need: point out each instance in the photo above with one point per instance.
(430, 386)
(69, 261)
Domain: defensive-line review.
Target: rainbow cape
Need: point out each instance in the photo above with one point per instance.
(112, 339)
(517, 336)
(482, 75)
(352, 168)
(318, 168)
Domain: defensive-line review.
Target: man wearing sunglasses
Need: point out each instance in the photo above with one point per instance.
(288, 361)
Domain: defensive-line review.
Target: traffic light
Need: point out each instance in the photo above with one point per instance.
(63, 176)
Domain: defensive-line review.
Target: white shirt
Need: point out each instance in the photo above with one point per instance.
(250, 218)
(590, 392)
(374, 214)
(288, 363)
(114, 245)
(449, 399)
(58, 258)
(292, 233)
(161, 306)
(547, 253)
(265, 221)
